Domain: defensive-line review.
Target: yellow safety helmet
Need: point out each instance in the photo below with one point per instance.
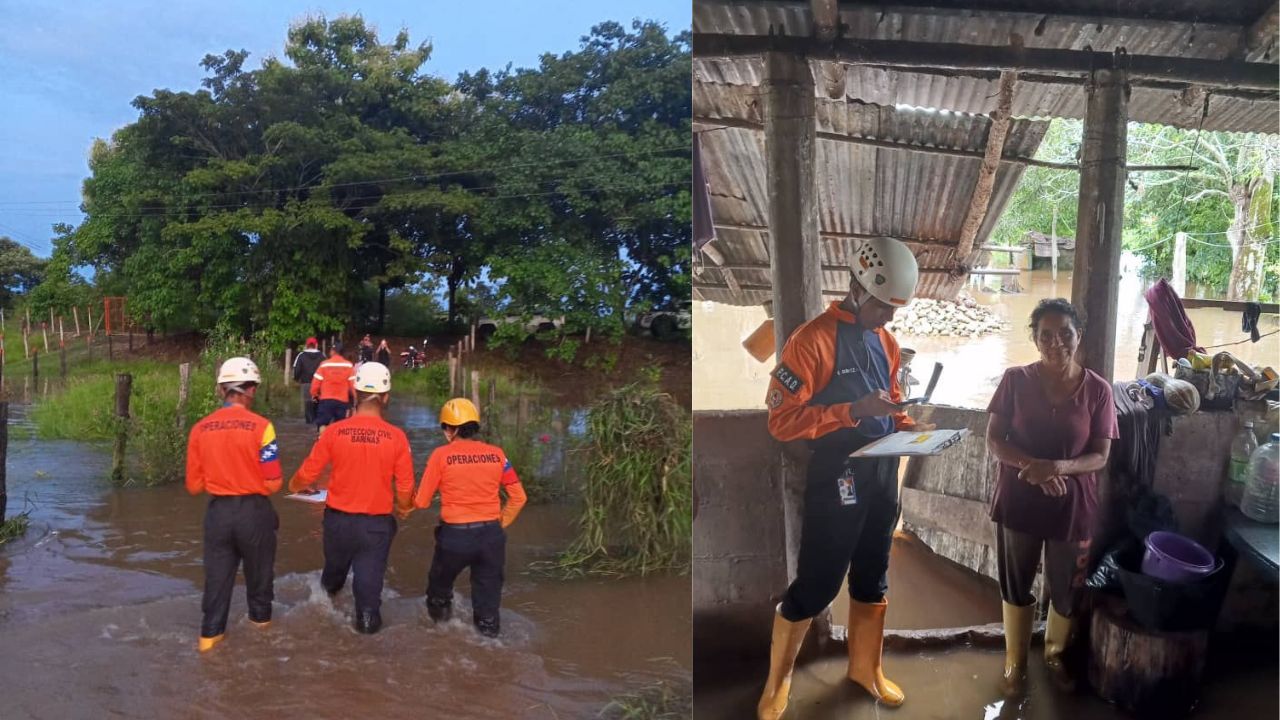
(459, 411)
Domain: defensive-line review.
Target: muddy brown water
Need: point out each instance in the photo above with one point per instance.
(727, 378)
(100, 609)
(960, 683)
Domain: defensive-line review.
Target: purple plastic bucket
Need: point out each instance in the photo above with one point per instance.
(1175, 558)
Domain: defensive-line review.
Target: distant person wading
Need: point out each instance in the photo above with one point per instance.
(233, 456)
(333, 388)
(304, 369)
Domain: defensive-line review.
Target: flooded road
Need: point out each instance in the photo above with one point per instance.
(100, 609)
(727, 378)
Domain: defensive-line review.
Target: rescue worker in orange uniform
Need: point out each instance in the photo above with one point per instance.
(473, 520)
(232, 455)
(372, 475)
(836, 387)
(333, 387)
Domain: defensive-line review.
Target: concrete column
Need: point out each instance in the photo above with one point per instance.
(1100, 219)
(794, 246)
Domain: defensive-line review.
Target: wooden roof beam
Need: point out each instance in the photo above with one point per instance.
(981, 200)
(959, 56)
(928, 149)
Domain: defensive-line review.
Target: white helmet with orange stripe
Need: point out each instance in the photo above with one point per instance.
(886, 268)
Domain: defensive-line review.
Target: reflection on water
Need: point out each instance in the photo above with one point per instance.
(102, 597)
(727, 378)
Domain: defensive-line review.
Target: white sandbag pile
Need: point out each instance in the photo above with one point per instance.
(964, 318)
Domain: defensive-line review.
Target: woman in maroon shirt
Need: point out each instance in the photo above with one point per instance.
(1051, 428)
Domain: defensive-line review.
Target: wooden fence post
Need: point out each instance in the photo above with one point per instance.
(89, 311)
(62, 359)
(184, 390)
(130, 328)
(473, 336)
(288, 364)
(493, 394)
(124, 385)
(4, 456)
(453, 374)
(475, 387)
(110, 348)
(26, 346)
(75, 313)
(35, 363)
(61, 329)
(44, 332)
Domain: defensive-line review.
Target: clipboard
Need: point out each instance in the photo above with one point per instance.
(316, 497)
(911, 443)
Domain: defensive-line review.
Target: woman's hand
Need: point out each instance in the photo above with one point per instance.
(1039, 472)
(1055, 486)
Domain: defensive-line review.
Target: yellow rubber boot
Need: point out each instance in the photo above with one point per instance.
(787, 638)
(207, 643)
(866, 640)
(1017, 642)
(1057, 635)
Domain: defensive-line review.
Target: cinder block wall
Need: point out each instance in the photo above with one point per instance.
(739, 549)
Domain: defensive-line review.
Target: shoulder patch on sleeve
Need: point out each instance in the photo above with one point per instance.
(788, 378)
(775, 399)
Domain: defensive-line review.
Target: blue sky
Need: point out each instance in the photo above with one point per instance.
(69, 69)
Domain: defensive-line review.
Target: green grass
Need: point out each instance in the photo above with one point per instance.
(659, 702)
(15, 527)
(637, 514)
(84, 410)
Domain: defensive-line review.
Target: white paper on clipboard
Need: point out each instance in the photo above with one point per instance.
(911, 443)
(318, 497)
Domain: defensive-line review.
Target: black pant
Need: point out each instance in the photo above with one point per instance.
(238, 528)
(484, 550)
(359, 543)
(836, 538)
(308, 405)
(329, 411)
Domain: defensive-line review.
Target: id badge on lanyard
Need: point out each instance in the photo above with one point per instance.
(848, 491)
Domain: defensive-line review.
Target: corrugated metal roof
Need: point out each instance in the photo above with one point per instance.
(1069, 27)
(861, 189)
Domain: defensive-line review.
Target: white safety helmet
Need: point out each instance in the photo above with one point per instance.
(886, 268)
(239, 370)
(373, 377)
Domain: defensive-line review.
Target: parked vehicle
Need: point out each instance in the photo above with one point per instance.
(487, 326)
(667, 323)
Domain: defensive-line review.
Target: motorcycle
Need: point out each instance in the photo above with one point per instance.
(412, 359)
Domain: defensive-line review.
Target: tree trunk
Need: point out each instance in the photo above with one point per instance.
(382, 306)
(456, 273)
(1248, 252)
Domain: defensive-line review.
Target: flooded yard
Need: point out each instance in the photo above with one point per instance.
(100, 609)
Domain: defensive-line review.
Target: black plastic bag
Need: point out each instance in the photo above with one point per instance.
(1106, 575)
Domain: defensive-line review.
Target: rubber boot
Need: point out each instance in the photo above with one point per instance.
(866, 639)
(488, 626)
(439, 610)
(1017, 642)
(1057, 635)
(263, 625)
(207, 643)
(368, 622)
(787, 638)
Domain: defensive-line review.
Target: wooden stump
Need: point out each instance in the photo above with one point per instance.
(1152, 674)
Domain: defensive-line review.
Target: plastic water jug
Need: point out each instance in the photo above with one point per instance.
(1262, 492)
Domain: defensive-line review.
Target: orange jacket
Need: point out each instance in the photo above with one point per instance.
(335, 379)
(233, 451)
(807, 363)
(468, 474)
(367, 452)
